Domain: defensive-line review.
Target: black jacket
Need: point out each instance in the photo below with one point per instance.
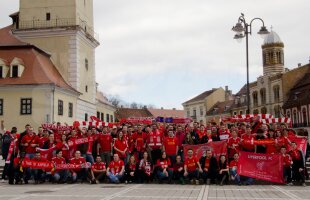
(213, 163)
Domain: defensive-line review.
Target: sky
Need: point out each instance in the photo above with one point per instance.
(164, 52)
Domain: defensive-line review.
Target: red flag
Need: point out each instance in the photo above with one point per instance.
(268, 167)
(217, 148)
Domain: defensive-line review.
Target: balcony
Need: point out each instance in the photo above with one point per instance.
(59, 23)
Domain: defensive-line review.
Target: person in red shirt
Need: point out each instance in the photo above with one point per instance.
(233, 145)
(171, 146)
(247, 140)
(202, 131)
(60, 176)
(233, 166)
(155, 142)
(37, 174)
(121, 146)
(287, 166)
(43, 138)
(104, 146)
(64, 146)
(116, 169)
(76, 174)
(29, 143)
(139, 141)
(180, 135)
(163, 168)
(18, 169)
(178, 170)
(298, 166)
(192, 167)
(271, 148)
(283, 140)
(98, 171)
(224, 133)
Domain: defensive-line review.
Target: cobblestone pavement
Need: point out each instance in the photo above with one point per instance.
(150, 191)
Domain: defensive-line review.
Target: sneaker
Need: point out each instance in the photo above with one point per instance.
(197, 182)
(289, 184)
(192, 181)
(304, 184)
(126, 182)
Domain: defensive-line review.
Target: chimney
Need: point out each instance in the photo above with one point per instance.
(226, 88)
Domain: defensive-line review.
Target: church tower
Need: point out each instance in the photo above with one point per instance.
(65, 29)
(273, 55)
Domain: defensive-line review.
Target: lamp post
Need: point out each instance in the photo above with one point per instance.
(243, 29)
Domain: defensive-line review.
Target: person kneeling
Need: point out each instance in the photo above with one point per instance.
(59, 176)
(192, 167)
(209, 166)
(98, 171)
(116, 169)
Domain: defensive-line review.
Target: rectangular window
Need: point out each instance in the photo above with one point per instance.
(26, 106)
(108, 118)
(240, 112)
(14, 71)
(98, 115)
(188, 114)
(1, 106)
(86, 88)
(194, 113)
(1, 72)
(102, 117)
(86, 117)
(70, 110)
(48, 16)
(86, 64)
(111, 117)
(60, 107)
(201, 111)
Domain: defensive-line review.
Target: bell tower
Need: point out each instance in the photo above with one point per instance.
(273, 54)
(65, 29)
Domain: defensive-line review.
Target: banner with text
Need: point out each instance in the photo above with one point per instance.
(217, 148)
(268, 167)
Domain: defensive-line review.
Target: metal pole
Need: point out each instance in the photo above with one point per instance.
(247, 67)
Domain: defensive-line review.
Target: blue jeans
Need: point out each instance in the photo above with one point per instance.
(61, 176)
(30, 155)
(89, 158)
(162, 176)
(115, 178)
(233, 172)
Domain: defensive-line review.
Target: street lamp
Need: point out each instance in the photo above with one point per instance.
(243, 29)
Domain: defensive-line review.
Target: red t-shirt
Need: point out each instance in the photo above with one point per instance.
(233, 163)
(139, 140)
(171, 145)
(105, 141)
(271, 148)
(191, 164)
(80, 160)
(287, 160)
(207, 163)
(224, 135)
(295, 154)
(163, 163)
(98, 166)
(116, 167)
(42, 140)
(233, 141)
(58, 160)
(30, 140)
(121, 145)
(247, 142)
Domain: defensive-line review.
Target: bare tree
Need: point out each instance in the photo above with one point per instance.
(134, 105)
(115, 101)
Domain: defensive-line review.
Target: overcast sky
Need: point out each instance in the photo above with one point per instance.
(163, 52)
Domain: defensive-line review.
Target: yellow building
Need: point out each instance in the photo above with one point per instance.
(197, 107)
(65, 30)
(47, 65)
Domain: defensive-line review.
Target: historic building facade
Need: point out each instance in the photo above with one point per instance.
(54, 40)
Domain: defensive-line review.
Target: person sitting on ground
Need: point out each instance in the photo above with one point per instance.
(59, 176)
(223, 175)
(163, 169)
(77, 174)
(145, 168)
(116, 169)
(131, 170)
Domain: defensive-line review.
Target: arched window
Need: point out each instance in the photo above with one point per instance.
(263, 95)
(295, 120)
(277, 111)
(304, 117)
(276, 93)
(288, 114)
(255, 98)
(264, 110)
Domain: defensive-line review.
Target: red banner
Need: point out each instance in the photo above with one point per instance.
(217, 148)
(49, 165)
(268, 167)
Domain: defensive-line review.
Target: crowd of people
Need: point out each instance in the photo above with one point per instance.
(144, 153)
